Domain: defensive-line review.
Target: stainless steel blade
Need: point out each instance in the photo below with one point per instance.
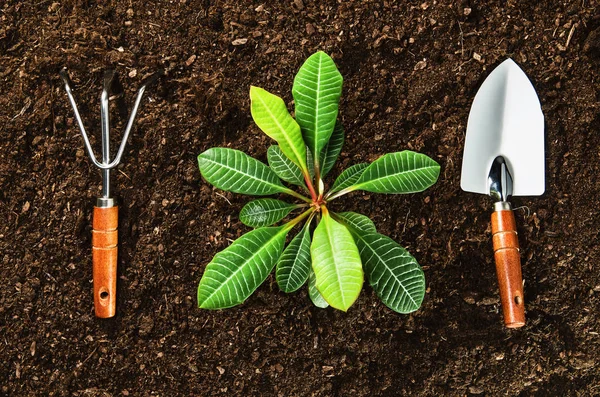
(505, 120)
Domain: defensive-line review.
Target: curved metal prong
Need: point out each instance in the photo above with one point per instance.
(134, 111)
(105, 120)
(136, 105)
(88, 147)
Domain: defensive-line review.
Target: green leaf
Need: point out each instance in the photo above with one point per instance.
(356, 221)
(235, 171)
(284, 167)
(314, 294)
(400, 172)
(317, 90)
(265, 212)
(272, 117)
(348, 177)
(393, 273)
(235, 273)
(336, 262)
(332, 150)
(294, 264)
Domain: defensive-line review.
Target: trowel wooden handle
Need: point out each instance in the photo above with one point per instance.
(508, 267)
(104, 257)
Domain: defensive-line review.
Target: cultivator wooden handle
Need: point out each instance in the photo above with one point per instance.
(104, 257)
(508, 267)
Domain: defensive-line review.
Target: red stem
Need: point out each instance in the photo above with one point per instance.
(311, 188)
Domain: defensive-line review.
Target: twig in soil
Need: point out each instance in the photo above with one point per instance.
(525, 207)
(462, 47)
(459, 67)
(10, 211)
(88, 357)
(50, 277)
(405, 220)
(53, 115)
(449, 248)
(24, 109)
(451, 163)
(125, 175)
(226, 199)
(570, 35)
(43, 2)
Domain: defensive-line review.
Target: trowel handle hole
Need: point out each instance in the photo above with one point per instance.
(518, 300)
(104, 295)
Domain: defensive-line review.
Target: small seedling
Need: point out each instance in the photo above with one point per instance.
(343, 246)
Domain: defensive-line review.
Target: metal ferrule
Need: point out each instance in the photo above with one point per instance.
(502, 206)
(105, 202)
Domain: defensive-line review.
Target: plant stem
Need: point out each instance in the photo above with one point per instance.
(299, 218)
(311, 188)
(312, 215)
(297, 195)
(340, 193)
(318, 174)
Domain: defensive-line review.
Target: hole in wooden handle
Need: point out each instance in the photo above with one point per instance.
(104, 295)
(518, 300)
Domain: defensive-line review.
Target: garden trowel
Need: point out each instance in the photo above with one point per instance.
(504, 156)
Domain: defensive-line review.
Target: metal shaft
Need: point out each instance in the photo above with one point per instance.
(500, 181)
(105, 126)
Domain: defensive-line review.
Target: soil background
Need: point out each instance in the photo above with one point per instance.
(411, 70)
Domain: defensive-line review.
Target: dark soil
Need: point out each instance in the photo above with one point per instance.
(411, 71)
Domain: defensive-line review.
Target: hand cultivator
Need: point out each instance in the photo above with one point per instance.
(106, 215)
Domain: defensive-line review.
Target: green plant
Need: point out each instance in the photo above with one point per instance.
(331, 258)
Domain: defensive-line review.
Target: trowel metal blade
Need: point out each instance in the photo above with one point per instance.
(505, 120)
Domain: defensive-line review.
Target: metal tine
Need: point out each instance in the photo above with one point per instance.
(67, 81)
(105, 127)
(105, 120)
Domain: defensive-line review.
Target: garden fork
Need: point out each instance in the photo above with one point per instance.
(106, 216)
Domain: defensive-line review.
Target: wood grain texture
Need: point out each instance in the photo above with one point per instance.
(104, 258)
(508, 267)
